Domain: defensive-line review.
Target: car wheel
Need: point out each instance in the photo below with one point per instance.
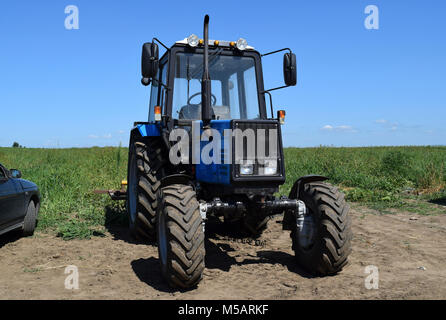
(29, 224)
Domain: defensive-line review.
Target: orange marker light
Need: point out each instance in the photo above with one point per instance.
(216, 42)
(281, 116)
(232, 43)
(157, 113)
(201, 41)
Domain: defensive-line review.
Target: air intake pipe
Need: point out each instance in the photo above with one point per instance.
(206, 81)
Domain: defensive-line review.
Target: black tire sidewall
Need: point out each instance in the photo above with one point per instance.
(132, 159)
(29, 222)
(310, 257)
(162, 224)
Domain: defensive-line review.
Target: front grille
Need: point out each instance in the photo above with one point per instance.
(264, 133)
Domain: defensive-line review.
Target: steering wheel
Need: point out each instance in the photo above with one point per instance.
(213, 99)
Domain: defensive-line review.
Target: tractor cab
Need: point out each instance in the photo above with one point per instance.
(235, 73)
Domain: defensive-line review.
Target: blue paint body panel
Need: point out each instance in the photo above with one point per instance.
(214, 172)
(218, 173)
(149, 130)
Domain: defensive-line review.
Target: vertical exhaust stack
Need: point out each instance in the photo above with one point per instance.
(206, 81)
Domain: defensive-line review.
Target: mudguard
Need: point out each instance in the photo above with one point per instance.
(295, 190)
(289, 219)
(147, 129)
(175, 178)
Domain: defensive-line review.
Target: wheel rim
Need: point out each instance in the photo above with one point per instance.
(132, 190)
(306, 230)
(162, 245)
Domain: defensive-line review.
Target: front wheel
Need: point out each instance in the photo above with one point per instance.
(322, 237)
(180, 236)
(29, 223)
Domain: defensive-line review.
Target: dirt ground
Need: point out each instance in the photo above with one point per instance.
(408, 249)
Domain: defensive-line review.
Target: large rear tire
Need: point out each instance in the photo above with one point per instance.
(180, 236)
(147, 166)
(322, 242)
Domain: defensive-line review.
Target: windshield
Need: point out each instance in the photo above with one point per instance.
(233, 82)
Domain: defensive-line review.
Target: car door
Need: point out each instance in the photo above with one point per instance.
(11, 200)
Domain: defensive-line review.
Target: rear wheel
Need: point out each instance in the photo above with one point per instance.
(29, 223)
(180, 236)
(147, 166)
(321, 239)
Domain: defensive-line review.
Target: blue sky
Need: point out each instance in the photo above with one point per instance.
(356, 87)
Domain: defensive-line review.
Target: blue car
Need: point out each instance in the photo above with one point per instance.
(19, 202)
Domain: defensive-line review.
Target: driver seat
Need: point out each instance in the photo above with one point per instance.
(192, 112)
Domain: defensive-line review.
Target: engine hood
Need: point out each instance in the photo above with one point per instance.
(28, 185)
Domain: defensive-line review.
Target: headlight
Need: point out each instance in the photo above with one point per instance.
(270, 167)
(246, 169)
(241, 44)
(192, 40)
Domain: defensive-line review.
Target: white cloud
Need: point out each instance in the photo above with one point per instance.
(342, 128)
(388, 125)
(121, 131)
(50, 143)
(104, 136)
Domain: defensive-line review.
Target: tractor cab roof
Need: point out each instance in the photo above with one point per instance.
(193, 41)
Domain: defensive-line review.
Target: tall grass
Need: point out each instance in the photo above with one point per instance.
(371, 174)
(67, 177)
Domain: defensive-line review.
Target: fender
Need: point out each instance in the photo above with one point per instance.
(176, 179)
(289, 218)
(146, 129)
(295, 190)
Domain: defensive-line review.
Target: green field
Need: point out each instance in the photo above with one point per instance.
(404, 178)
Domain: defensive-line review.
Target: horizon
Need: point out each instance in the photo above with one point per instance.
(289, 147)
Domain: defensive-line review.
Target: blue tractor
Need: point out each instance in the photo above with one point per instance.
(211, 149)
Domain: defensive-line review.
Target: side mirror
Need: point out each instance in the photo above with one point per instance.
(16, 174)
(149, 60)
(289, 69)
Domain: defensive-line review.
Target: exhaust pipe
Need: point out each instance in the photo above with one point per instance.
(206, 81)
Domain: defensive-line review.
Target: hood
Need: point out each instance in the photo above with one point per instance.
(27, 185)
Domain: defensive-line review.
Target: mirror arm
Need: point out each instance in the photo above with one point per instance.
(272, 52)
(155, 39)
(270, 102)
(275, 89)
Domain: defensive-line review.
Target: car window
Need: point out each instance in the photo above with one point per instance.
(2, 173)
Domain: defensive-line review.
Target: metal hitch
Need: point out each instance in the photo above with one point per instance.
(115, 194)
